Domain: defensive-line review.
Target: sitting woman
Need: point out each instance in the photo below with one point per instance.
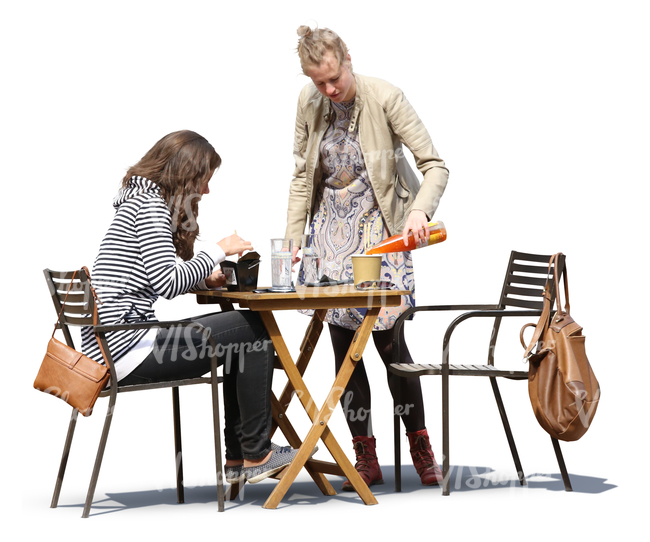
(154, 222)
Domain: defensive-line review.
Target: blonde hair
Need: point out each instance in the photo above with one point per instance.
(313, 44)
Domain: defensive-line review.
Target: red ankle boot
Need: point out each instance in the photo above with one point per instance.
(367, 465)
(423, 460)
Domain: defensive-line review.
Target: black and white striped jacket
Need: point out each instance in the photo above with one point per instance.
(136, 264)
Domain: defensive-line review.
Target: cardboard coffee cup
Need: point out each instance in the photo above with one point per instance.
(366, 268)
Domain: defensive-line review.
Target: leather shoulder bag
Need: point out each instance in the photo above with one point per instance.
(562, 386)
(68, 374)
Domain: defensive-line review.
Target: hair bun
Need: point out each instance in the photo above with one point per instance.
(304, 31)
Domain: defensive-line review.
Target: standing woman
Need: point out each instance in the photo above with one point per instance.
(154, 223)
(352, 180)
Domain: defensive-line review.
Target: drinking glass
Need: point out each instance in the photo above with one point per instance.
(312, 257)
(281, 254)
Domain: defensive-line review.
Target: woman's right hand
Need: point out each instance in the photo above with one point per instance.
(216, 280)
(234, 244)
(294, 258)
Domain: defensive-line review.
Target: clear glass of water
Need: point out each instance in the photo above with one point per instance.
(312, 257)
(281, 255)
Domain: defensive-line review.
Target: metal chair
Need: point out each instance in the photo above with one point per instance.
(78, 311)
(522, 288)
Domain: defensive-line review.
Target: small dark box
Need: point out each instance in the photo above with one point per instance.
(241, 276)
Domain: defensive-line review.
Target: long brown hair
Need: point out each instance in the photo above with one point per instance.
(180, 163)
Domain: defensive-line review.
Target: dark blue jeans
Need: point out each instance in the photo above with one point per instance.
(246, 353)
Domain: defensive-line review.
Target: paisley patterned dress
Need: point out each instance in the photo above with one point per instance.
(349, 218)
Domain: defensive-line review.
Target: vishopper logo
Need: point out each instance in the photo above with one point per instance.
(232, 491)
(337, 394)
(586, 409)
(184, 340)
(63, 286)
(461, 477)
(178, 206)
(56, 392)
(336, 290)
(362, 414)
(384, 157)
(185, 203)
(64, 395)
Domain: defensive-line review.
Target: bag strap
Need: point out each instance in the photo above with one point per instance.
(567, 308)
(95, 315)
(97, 300)
(543, 322)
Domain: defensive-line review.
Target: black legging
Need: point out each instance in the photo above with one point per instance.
(245, 350)
(406, 392)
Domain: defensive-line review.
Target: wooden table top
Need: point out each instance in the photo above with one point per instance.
(325, 297)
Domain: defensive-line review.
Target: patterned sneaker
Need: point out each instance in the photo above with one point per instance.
(281, 456)
(234, 474)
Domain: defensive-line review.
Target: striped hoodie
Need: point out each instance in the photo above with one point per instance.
(137, 263)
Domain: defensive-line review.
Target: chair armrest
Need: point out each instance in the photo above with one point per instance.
(476, 311)
(408, 312)
(101, 331)
(101, 328)
(499, 313)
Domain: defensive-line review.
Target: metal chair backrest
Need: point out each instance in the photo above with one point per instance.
(525, 280)
(78, 299)
(523, 287)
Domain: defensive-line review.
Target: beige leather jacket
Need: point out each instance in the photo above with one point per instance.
(385, 120)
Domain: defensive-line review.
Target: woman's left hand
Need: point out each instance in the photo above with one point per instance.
(216, 280)
(417, 223)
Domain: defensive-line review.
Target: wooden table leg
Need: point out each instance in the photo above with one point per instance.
(320, 419)
(279, 407)
(294, 440)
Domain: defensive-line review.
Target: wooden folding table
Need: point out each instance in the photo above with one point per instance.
(319, 299)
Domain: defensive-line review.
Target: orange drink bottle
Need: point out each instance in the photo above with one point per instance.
(437, 234)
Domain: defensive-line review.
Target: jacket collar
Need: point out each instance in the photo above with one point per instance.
(326, 104)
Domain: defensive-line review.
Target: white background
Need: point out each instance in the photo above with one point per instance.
(540, 110)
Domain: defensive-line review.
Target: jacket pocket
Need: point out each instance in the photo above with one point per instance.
(401, 189)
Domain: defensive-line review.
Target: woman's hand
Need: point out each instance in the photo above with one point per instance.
(294, 257)
(418, 223)
(216, 280)
(234, 245)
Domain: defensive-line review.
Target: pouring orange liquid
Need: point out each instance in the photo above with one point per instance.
(437, 234)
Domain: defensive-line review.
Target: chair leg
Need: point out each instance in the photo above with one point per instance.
(445, 432)
(100, 455)
(506, 427)
(217, 438)
(64, 458)
(180, 490)
(560, 461)
(397, 448)
(234, 490)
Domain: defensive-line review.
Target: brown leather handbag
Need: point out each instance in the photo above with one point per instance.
(562, 386)
(68, 374)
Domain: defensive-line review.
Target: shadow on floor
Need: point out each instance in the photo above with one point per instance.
(305, 493)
